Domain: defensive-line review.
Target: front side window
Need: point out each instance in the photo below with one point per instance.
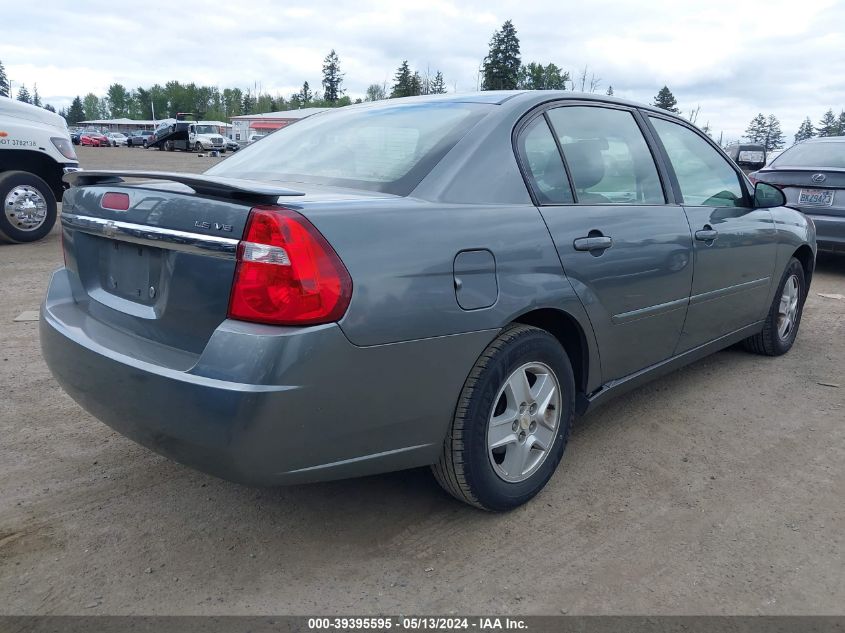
(543, 164)
(607, 155)
(705, 177)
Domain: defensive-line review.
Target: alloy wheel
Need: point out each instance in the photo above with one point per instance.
(524, 422)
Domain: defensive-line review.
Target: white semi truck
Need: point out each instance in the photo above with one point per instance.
(35, 152)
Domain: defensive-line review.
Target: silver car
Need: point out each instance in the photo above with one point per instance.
(441, 281)
(811, 175)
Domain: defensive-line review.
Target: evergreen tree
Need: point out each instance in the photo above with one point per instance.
(76, 113)
(666, 100)
(332, 78)
(49, 108)
(305, 95)
(805, 131)
(36, 98)
(534, 76)
(438, 86)
(416, 84)
(91, 106)
(118, 101)
(23, 95)
(248, 104)
(501, 66)
(375, 92)
(774, 137)
(828, 126)
(757, 129)
(4, 81)
(841, 124)
(610, 91)
(402, 82)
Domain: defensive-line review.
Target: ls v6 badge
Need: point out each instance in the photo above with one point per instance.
(217, 226)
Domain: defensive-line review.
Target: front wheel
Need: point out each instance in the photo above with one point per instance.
(512, 421)
(781, 325)
(29, 207)
(197, 147)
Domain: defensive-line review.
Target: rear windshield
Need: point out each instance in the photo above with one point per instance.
(387, 148)
(823, 154)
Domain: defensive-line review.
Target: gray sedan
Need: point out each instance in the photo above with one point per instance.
(811, 175)
(444, 281)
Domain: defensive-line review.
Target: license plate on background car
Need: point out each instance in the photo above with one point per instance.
(816, 197)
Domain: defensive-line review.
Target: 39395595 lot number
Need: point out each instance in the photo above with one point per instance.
(386, 623)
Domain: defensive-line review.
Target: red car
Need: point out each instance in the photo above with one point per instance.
(95, 138)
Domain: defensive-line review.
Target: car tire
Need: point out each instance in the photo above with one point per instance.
(493, 479)
(197, 147)
(17, 183)
(145, 145)
(784, 317)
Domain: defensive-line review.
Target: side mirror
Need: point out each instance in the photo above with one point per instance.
(766, 196)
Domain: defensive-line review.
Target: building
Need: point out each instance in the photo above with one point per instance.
(246, 124)
(119, 125)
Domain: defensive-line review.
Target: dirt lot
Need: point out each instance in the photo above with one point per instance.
(718, 490)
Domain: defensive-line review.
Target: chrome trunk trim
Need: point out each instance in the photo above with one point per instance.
(157, 237)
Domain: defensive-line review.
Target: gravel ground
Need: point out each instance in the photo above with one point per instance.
(718, 489)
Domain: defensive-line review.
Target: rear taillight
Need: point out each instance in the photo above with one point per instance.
(287, 273)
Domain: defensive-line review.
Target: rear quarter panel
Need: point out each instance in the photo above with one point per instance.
(401, 254)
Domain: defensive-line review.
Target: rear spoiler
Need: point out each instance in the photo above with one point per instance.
(235, 188)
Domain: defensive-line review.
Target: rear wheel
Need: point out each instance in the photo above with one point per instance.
(784, 317)
(512, 421)
(29, 207)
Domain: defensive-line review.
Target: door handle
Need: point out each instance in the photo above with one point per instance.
(592, 243)
(707, 234)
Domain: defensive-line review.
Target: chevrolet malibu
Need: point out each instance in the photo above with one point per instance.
(443, 281)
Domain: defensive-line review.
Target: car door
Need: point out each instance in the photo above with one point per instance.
(734, 243)
(625, 250)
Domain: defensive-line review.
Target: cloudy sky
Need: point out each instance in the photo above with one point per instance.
(733, 58)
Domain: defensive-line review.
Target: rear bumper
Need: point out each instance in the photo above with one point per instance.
(264, 405)
(830, 231)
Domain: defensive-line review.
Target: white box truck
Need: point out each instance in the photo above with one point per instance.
(35, 152)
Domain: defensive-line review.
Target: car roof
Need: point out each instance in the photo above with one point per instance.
(525, 99)
(825, 139)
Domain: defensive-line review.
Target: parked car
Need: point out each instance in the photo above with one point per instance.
(441, 281)
(94, 138)
(117, 138)
(256, 137)
(749, 156)
(811, 175)
(232, 145)
(75, 133)
(35, 151)
(139, 138)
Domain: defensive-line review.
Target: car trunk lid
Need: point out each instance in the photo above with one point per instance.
(812, 190)
(156, 260)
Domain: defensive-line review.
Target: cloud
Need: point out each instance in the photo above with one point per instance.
(733, 59)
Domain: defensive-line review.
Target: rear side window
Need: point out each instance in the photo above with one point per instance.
(543, 164)
(608, 157)
(387, 148)
(705, 177)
